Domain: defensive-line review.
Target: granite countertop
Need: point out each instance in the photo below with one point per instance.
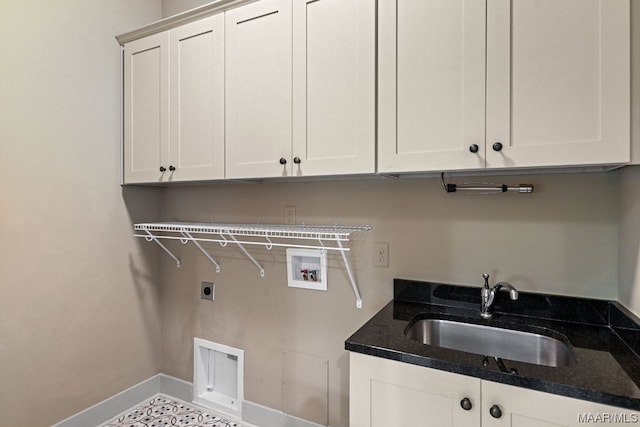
(605, 338)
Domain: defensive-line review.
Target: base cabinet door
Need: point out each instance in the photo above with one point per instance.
(387, 393)
(508, 406)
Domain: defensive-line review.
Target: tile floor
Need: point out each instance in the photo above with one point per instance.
(162, 411)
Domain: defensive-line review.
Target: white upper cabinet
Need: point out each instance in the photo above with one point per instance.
(333, 87)
(271, 88)
(286, 88)
(431, 78)
(558, 82)
(174, 104)
(146, 96)
(258, 90)
(197, 100)
(548, 80)
(300, 88)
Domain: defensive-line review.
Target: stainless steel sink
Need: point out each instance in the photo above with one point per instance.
(493, 341)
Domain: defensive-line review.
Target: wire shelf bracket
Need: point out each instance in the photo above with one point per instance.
(328, 238)
(199, 246)
(246, 252)
(151, 238)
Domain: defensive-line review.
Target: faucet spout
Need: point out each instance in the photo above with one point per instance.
(488, 295)
(513, 292)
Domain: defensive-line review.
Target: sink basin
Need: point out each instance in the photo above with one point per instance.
(522, 346)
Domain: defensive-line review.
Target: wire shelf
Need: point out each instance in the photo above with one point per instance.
(267, 235)
(309, 232)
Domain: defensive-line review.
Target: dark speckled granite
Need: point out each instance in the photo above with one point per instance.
(605, 338)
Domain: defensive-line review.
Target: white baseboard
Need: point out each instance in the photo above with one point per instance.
(175, 387)
(114, 405)
(263, 416)
(100, 413)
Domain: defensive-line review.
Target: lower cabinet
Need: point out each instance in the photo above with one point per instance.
(521, 407)
(386, 393)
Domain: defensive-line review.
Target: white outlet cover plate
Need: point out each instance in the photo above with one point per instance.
(381, 254)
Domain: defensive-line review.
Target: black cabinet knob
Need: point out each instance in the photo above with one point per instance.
(466, 404)
(497, 146)
(474, 148)
(296, 160)
(162, 169)
(283, 161)
(172, 168)
(495, 411)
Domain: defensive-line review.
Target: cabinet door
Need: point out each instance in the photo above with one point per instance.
(258, 89)
(197, 100)
(521, 407)
(333, 86)
(431, 82)
(146, 126)
(386, 393)
(558, 82)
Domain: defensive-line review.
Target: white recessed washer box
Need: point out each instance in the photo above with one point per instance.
(218, 376)
(307, 268)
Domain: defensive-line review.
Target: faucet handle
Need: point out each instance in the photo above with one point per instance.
(485, 276)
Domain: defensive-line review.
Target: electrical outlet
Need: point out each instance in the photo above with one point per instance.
(289, 215)
(381, 254)
(207, 290)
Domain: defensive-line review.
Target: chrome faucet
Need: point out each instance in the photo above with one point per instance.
(488, 295)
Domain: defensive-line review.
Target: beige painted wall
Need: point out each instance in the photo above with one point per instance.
(629, 288)
(629, 285)
(173, 7)
(562, 239)
(635, 82)
(79, 307)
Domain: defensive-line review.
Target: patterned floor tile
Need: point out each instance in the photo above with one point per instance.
(163, 411)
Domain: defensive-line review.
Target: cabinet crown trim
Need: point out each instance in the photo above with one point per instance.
(186, 17)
